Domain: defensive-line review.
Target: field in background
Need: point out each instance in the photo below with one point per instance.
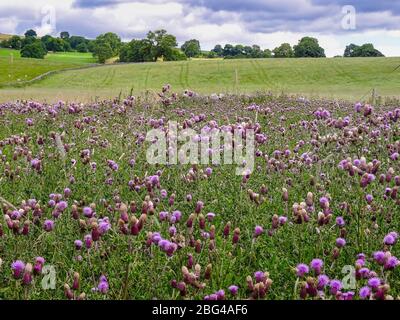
(350, 79)
(15, 69)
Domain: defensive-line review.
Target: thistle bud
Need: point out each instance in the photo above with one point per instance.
(236, 234)
(75, 285)
(207, 274)
(68, 292)
(227, 229)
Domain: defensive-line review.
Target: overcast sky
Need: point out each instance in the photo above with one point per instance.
(264, 22)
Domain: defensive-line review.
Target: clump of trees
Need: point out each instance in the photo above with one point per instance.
(239, 51)
(106, 46)
(308, 47)
(32, 46)
(365, 50)
(283, 51)
(157, 44)
(160, 44)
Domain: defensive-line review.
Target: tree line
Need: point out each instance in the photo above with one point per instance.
(160, 44)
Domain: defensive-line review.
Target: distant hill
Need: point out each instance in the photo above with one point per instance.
(4, 36)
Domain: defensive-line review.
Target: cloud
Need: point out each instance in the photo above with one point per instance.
(263, 22)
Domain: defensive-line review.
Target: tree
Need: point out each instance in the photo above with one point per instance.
(349, 51)
(75, 41)
(162, 44)
(102, 51)
(15, 42)
(106, 46)
(366, 50)
(191, 48)
(136, 51)
(30, 33)
(82, 47)
(267, 53)
(218, 50)
(308, 47)
(64, 35)
(283, 51)
(35, 49)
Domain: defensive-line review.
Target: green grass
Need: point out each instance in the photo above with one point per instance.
(332, 78)
(15, 69)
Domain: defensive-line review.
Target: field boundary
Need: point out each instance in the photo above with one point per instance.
(42, 76)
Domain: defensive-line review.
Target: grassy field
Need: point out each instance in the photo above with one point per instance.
(333, 78)
(15, 69)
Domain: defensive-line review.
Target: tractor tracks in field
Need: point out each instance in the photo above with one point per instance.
(184, 75)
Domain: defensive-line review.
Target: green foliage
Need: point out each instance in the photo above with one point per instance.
(283, 51)
(82, 47)
(218, 50)
(30, 33)
(64, 35)
(35, 50)
(106, 46)
(366, 50)
(191, 48)
(162, 44)
(308, 47)
(136, 51)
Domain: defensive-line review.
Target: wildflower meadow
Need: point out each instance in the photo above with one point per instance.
(310, 212)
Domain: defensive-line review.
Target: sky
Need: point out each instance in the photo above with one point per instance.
(267, 23)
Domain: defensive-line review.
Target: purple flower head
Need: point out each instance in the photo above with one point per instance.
(374, 283)
(389, 240)
(88, 212)
(323, 281)
(88, 241)
(103, 285)
(282, 220)
(259, 276)
(379, 257)
(301, 269)
(18, 267)
(48, 225)
(364, 273)
(365, 293)
(78, 244)
(210, 216)
(340, 242)
(316, 265)
(391, 263)
(335, 285)
(258, 230)
(163, 215)
(233, 290)
(61, 206)
(340, 222)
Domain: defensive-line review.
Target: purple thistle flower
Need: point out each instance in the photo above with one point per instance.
(78, 244)
(88, 212)
(301, 270)
(340, 222)
(259, 276)
(316, 265)
(374, 283)
(389, 240)
(233, 290)
(48, 225)
(365, 293)
(379, 257)
(103, 285)
(258, 230)
(323, 281)
(18, 268)
(335, 285)
(340, 242)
